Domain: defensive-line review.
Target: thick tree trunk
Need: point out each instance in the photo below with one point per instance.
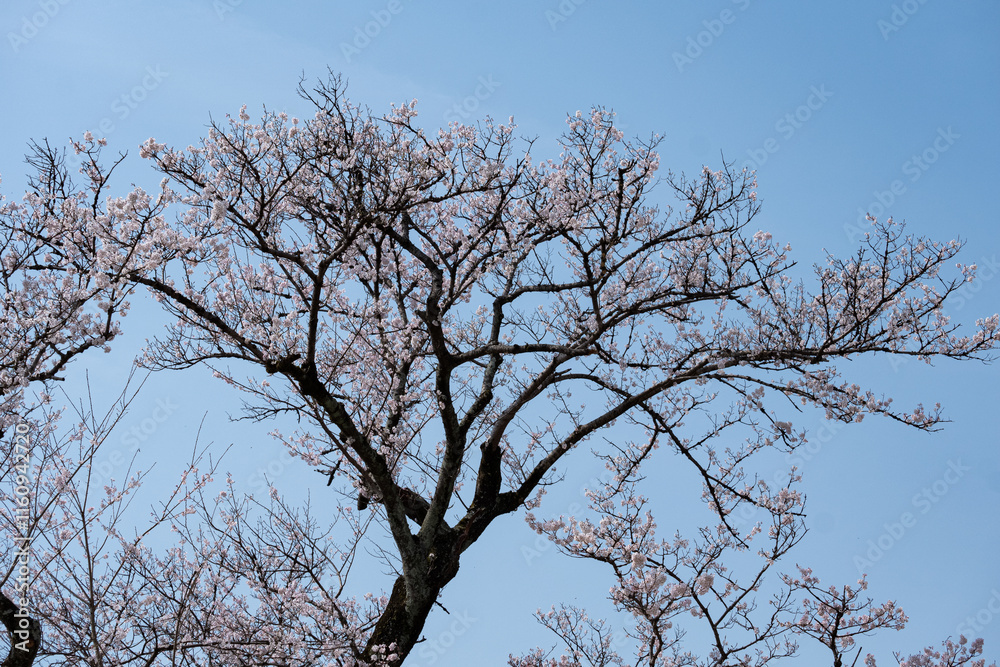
(412, 598)
(400, 625)
(25, 634)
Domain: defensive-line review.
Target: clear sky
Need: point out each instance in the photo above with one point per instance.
(843, 107)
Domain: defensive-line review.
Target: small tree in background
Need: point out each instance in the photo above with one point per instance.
(428, 303)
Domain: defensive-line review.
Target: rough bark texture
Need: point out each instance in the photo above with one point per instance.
(24, 641)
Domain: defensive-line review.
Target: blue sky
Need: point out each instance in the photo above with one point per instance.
(843, 108)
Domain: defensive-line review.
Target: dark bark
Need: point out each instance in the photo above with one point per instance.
(414, 594)
(25, 634)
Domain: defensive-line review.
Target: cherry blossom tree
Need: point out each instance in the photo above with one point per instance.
(62, 295)
(427, 303)
(954, 654)
(58, 301)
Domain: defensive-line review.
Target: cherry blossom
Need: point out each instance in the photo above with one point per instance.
(450, 320)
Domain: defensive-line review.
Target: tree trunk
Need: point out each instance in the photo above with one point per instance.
(25, 634)
(412, 598)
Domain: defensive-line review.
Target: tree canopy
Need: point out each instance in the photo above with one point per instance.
(428, 303)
